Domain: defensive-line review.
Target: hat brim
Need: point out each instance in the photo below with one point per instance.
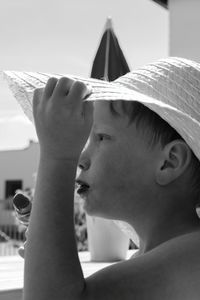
(23, 84)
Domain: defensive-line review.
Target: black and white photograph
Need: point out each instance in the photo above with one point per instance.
(99, 150)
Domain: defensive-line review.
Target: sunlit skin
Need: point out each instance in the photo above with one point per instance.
(128, 180)
(121, 168)
(117, 165)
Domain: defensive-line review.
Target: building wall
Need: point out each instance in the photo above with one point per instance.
(184, 28)
(18, 165)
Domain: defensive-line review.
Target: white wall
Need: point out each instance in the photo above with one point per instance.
(18, 165)
(185, 28)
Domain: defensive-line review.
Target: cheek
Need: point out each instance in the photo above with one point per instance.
(113, 174)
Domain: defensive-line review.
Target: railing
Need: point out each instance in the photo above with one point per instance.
(11, 238)
(8, 249)
(12, 234)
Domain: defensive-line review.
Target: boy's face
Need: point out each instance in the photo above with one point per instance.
(118, 166)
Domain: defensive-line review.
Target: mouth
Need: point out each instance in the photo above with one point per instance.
(83, 187)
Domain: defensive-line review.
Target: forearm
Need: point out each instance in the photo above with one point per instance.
(52, 267)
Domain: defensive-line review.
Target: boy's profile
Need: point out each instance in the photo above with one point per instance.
(141, 164)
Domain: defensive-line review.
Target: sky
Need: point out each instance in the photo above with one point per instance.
(62, 36)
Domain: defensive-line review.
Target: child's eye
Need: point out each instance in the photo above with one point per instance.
(101, 137)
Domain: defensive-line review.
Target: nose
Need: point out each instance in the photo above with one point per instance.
(84, 159)
(84, 162)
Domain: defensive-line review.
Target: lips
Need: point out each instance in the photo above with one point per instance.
(83, 187)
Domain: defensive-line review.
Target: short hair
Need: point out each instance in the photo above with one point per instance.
(158, 131)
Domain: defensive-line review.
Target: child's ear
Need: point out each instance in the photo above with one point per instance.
(176, 157)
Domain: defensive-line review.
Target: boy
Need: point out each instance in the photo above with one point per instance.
(140, 165)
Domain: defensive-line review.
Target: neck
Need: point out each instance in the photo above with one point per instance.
(159, 229)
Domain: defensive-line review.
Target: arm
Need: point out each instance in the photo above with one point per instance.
(52, 267)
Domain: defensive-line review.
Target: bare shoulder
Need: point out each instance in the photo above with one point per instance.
(170, 271)
(180, 259)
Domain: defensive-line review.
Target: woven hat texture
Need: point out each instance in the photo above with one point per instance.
(170, 87)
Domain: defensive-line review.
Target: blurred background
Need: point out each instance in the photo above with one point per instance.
(61, 36)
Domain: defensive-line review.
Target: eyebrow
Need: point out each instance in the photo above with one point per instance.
(104, 127)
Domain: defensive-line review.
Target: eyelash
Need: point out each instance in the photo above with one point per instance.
(101, 137)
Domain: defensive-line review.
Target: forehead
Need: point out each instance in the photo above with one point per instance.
(117, 125)
(104, 115)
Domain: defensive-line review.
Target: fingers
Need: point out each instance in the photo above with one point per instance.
(65, 89)
(78, 93)
(37, 96)
(70, 92)
(21, 252)
(50, 86)
(62, 88)
(79, 90)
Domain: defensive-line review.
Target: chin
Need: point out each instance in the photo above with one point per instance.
(94, 207)
(88, 209)
(98, 213)
(93, 212)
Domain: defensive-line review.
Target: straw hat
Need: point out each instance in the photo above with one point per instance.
(170, 87)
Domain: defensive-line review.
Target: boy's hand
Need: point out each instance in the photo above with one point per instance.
(21, 250)
(63, 121)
